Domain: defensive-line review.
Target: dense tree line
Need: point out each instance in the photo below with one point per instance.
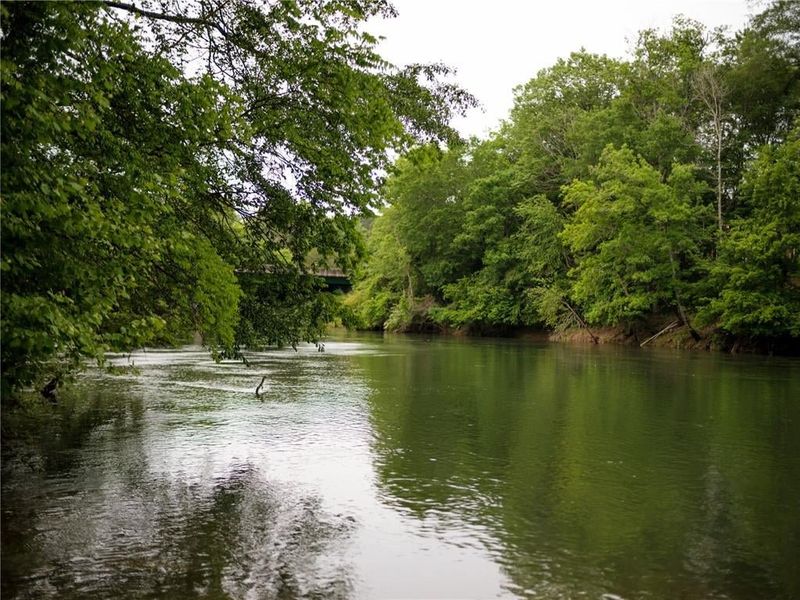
(622, 193)
(172, 167)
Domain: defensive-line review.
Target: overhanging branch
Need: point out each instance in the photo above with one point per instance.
(180, 19)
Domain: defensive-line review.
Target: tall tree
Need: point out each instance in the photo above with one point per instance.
(607, 183)
(712, 91)
(757, 275)
(545, 136)
(384, 294)
(635, 238)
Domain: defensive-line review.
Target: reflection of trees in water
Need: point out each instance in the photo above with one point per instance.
(41, 453)
(713, 552)
(89, 517)
(589, 469)
(250, 539)
(42, 437)
(234, 537)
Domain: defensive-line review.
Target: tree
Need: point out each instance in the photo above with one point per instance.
(712, 91)
(634, 237)
(659, 113)
(152, 151)
(757, 274)
(597, 201)
(107, 155)
(384, 291)
(545, 262)
(764, 75)
(546, 137)
(759, 70)
(427, 189)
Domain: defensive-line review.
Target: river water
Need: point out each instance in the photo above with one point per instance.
(407, 467)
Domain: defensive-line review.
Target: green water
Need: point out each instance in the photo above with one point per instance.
(412, 468)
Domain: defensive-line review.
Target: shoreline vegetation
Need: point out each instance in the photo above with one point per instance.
(653, 199)
(676, 338)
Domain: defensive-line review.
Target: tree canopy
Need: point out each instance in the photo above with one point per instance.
(619, 192)
(170, 168)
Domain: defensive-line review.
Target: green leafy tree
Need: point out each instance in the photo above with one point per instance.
(547, 135)
(545, 261)
(491, 299)
(635, 238)
(427, 189)
(763, 75)
(105, 153)
(385, 288)
(546, 223)
(489, 294)
(156, 153)
(757, 274)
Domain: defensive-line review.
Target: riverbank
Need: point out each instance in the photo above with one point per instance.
(652, 335)
(680, 338)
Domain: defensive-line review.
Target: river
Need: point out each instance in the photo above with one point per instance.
(411, 467)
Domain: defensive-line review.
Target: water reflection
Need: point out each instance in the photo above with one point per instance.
(412, 468)
(157, 488)
(236, 538)
(600, 471)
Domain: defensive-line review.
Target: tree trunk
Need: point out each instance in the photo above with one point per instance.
(678, 304)
(652, 337)
(580, 320)
(711, 90)
(719, 175)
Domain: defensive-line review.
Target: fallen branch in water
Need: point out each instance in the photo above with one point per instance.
(258, 389)
(580, 320)
(652, 337)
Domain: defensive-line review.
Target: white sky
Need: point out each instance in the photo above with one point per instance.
(496, 45)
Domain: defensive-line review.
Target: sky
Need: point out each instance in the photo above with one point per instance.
(496, 45)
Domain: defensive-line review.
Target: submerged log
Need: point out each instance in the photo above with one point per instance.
(258, 389)
(50, 390)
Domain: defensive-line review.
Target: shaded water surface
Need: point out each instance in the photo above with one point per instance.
(411, 468)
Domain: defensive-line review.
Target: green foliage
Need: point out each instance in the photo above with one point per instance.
(385, 279)
(757, 275)
(482, 302)
(156, 153)
(614, 194)
(764, 68)
(428, 190)
(284, 308)
(544, 260)
(103, 149)
(634, 237)
(555, 114)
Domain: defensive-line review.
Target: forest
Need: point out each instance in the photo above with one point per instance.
(657, 191)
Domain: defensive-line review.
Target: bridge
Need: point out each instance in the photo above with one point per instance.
(335, 279)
